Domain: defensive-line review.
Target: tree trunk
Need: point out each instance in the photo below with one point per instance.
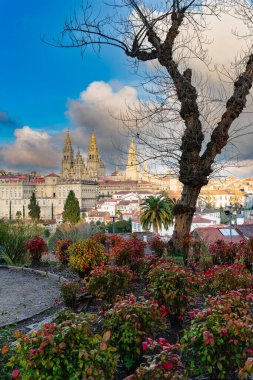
(184, 212)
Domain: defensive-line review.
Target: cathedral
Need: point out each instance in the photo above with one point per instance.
(73, 166)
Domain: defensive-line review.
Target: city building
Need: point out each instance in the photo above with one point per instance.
(51, 192)
(73, 166)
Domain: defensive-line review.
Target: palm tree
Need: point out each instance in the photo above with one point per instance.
(157, 211)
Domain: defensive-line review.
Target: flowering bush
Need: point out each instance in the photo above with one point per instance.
(69, 350)
(108, 281)
(114, 240)
(228, 277)
(128, 252)
(36, 247)
(147, 264)
(69, 293)
(220, 336)
(130, 321)
(223, 252)
(100, 238)
(164, 362)
(86, 255)
(62, 254)
(157, 245)
(172, 286)
(245, 253)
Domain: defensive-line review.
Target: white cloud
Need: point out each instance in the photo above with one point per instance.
(99, 108)
(32, 149)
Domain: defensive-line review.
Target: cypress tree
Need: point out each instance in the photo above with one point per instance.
(71, 211)
(34, 208)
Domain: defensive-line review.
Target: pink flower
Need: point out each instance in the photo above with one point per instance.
(144, 346)
(15, 373)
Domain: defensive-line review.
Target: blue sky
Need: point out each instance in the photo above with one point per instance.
(44, 90)
(36, 79)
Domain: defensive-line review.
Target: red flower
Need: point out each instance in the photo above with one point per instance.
(168, 366)
(145, 346)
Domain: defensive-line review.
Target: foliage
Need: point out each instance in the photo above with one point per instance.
(128, 252)
(3, 231)
(223, 252)
(34, 208)
(109, 281)
(14, 240)
(147, 264)
(163, 362)
(120, 226)
(86, 254)
(157, 245)
(69, 350)
(36, 246)
(71, 211)
(220, 336)
(100, 238)
(156, 211)
(131, 321)
(72, 233)
(245, 253)
(62, 251)
(228, 277)
(246, 373)
(172, 286)
(6, 339)
(69, 292)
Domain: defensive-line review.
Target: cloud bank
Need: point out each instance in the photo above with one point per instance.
(31, 150)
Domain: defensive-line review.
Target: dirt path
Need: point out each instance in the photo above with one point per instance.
(23, 294)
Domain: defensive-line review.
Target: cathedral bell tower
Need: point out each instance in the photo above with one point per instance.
(68, 157)
(132, 168)
(95, 166)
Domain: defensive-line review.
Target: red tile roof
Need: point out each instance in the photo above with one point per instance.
(52, 175)
(200, 219)
(212, 234)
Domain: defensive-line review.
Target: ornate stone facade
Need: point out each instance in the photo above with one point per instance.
(73, 167)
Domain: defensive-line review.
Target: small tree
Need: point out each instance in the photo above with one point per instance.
(34, 208)
(71, 211)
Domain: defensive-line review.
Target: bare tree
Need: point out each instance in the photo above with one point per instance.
(169, 34)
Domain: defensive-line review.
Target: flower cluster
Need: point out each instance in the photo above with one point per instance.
(128, 252)
(86, 255)
(163, 362)
(61, 252)
(130, 321)
(69, 350)
(109, 281)
(173, 287)
(36, 247)
(220, 336)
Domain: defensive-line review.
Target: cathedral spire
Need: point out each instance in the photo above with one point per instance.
(93, 143)
(67, 139)
(68, 145)
(132, 158)
(68, 157)
(132, 168)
